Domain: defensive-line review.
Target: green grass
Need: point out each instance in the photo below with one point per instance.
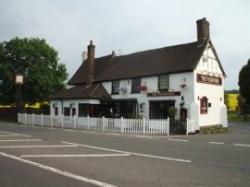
(233, 116)
(213, 129)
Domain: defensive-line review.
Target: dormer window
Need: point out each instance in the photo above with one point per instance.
(163, 82)
(115, 87)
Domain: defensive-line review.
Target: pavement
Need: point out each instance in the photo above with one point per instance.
(34, 156)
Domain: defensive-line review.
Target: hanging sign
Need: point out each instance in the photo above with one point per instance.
(207, 79)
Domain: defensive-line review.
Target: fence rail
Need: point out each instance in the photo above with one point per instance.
(113, 125)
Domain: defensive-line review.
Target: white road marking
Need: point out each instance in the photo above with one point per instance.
(178, 140)
(58, 171)
(138, 136)
(68, 156)
(242, 145)
(218, 143)
(34, 146)
(131, 153)
(6, 133)
(22, 140)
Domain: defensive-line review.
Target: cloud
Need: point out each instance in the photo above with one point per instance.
(129, 26)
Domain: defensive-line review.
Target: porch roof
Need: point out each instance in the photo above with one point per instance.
(94, 91)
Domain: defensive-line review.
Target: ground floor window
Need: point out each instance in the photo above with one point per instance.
(66, 111)
(203, 105)
(56, 111)
(159, 109)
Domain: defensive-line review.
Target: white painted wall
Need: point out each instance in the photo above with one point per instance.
(215, 93)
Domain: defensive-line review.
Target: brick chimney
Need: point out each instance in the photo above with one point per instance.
(91, 62)
(202, 31)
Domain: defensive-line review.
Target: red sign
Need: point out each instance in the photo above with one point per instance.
(209, 79)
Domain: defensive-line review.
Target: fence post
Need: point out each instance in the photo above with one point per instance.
(103, 123)
(88, 122)
(62, 121)
(187, 125)
(51, 120)
(33, 119)
(25, 119)
(122, 125)
(74, 121)
(168, 126)
(41, 120)
(144, 125)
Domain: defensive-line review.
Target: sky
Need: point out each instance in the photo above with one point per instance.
(128, 26)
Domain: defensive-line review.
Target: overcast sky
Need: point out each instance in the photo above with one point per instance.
(127, 26)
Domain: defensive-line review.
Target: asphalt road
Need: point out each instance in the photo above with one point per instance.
(33, 156)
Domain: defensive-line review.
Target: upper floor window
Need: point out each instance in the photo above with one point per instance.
(163, 82)
(115, 87)
(136, 82)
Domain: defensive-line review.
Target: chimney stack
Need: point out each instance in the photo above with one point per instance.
(202, 31)
(90, 63)
(91, 52)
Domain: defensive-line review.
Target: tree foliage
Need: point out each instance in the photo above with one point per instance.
(244, 82)
(39, 64)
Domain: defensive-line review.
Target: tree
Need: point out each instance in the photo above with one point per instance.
(38, 62)
(244, 84)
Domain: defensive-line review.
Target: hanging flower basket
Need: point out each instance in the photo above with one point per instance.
(142, 88)
(183, 85)
(123, 89)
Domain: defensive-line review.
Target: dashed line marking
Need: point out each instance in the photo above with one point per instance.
(178, 140)
(58, 171)
(131, 153)
(34, 146)
(22, 140)
(242, 145)
(217, 143)
(6, 134)
(69, 156)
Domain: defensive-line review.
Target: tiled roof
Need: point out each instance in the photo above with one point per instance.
(173, 59)
(94, 91)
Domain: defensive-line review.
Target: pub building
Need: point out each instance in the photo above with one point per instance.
(187, 76)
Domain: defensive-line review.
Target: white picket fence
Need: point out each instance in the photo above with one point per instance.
(113, 125)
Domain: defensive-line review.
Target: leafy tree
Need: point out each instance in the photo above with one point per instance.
(244, 84)
(38, 62)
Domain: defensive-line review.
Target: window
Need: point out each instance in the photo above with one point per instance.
(66, 111)
(56, 111)
(115, 87)
(163, 82)
(136, 85)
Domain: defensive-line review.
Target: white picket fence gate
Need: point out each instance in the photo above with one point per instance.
(112, 125)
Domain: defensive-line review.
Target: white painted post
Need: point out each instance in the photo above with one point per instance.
(33, 120)
(25, 119)
(74, 119)
(41, 120)
(122, 125)
(62, 121)
(144, 125)
(51, 120)
(168, 126)
(88, 122)
(103, 123)
(187, 126)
